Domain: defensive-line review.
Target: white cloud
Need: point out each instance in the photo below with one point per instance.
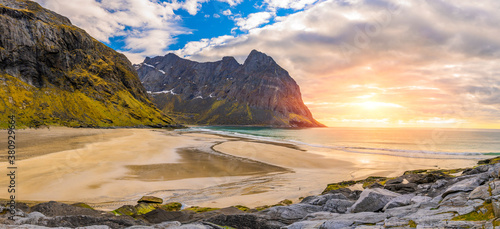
(327, 47)
(227, 12)
(193, 6)
(253, 20)
(289, 4)
(232, 2)
(148, 26)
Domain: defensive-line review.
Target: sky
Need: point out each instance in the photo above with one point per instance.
(361, 63)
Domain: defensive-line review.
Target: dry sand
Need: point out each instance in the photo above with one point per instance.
(109, 168)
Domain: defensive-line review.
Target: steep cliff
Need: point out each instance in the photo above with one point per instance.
(258, 92)
(53, 73)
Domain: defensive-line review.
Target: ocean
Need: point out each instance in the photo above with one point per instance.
(401, 142)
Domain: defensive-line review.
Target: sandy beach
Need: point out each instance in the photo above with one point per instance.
(108, 168)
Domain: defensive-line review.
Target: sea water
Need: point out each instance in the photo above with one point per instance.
(401, 142)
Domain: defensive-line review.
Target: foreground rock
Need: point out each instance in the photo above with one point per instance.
(439, 200)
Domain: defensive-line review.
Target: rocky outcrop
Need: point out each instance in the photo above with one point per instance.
(53, 73)
(258, 92)
(448, 201)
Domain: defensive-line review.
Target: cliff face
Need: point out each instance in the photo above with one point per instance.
(54, 73)
(259, 92)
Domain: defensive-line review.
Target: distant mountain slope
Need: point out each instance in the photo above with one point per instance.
(53, 73)
(259, 92)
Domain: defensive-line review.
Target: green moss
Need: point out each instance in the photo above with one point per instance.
(286, 202)
(200, 209)
(478, 215)
(412, 224)
(242, 208)
(125, 210)
(419, 171)
(261, 208)
(174, 206)
(143, 208)
(34, 107)
(82, 205)
(335, 186)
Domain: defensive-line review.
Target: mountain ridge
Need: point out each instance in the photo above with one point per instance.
(54, 73)
(258, 92)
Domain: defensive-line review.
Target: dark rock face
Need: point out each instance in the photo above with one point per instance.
(52, 72)
(259, 92)
(53, 208)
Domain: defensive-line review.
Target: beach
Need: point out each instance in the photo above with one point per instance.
(108, 168)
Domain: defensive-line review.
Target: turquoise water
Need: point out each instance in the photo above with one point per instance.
(404, 142)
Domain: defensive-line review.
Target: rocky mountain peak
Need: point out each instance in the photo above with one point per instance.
(224, 92)
(54, 73)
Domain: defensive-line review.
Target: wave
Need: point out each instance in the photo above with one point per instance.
(350, 149)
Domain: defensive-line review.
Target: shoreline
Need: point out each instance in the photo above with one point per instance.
(303, 174)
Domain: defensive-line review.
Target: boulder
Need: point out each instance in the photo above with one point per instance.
(455, 199)
(74, 221)
(399, 201)
(246, 221)
(402, 188)
(480, 192)
(53, 208)
(496, 207)
(305, 224)
(466, 185)
(160, 215)
(337, 205)
(150, 199)
(372, 200)
(495, 187)
(292, 213)
(321, 200)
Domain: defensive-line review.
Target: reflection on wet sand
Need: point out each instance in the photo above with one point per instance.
(196, 163)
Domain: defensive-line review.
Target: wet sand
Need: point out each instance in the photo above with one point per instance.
(110, 168)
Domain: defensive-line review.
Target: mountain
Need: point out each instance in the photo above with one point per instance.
(53, 73)
(258, 92)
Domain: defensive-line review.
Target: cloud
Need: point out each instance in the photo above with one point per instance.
(226, 12)
(253, 20)
(147, 27)
(437, 59)
(288, 4)
(232, 2)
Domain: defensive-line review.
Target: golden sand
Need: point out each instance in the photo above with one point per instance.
(110, 168)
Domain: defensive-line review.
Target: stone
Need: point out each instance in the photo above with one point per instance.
(160, 215)
(420, 199)
(402, 188)
(337, 205)
(74, 221)
(53, 208)
(463, 186)
(322, 199)
(399, 201)
(372, 200)
(336, 224)
(480, 192)
(306, 224)
(246, 221)
(150, 199)
(496, 207)
(291, 213)
(495, 187)
(455, 199)
(494, 171)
